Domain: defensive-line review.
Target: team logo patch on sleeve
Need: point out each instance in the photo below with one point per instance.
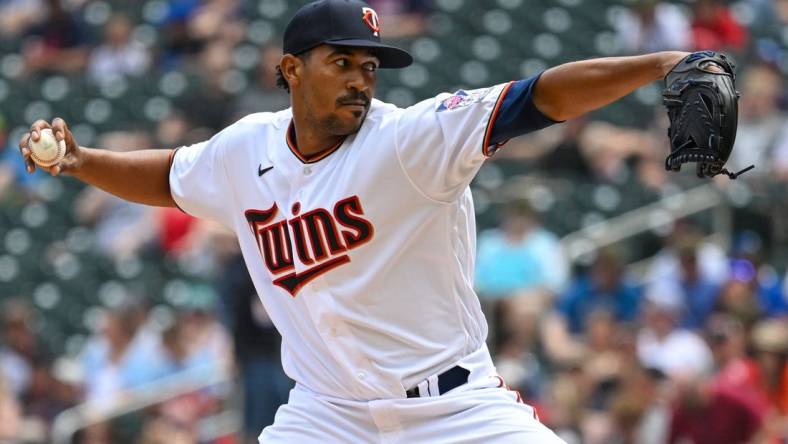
(461, 99)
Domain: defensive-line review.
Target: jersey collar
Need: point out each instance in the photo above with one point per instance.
(320, 155)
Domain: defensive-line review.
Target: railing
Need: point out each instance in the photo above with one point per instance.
(87, 414)
(650, 217)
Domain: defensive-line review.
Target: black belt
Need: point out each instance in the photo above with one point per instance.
(448, 380)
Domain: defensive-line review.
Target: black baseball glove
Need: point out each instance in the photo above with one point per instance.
(702, 101)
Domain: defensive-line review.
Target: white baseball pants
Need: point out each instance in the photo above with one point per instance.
(480, 412)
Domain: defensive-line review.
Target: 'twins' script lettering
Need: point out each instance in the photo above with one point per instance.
(321, 239)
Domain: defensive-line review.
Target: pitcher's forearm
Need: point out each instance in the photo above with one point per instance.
(573, 89)
(138, 176)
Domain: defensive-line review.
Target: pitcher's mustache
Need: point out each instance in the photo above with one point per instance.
(354, 99)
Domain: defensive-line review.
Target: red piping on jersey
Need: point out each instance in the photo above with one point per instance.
(519, 397)
(320, 155)
(493, 116)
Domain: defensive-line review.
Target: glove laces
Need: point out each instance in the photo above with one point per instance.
(733, 176)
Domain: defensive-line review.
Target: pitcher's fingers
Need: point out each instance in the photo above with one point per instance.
(25, 150)
(59, 127)
(35, 129)
(63, 166)
(23, 142)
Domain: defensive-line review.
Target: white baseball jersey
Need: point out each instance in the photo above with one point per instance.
(364, 254)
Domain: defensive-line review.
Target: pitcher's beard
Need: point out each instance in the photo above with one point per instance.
(337, 126)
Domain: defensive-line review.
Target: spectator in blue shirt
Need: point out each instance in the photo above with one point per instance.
(603, 288)
(698, 292)
(519, 256)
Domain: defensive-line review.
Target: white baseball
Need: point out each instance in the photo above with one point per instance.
(47, 151)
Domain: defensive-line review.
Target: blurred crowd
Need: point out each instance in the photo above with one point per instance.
(691, 349)
(694, 350)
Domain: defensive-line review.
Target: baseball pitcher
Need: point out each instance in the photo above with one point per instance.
(357, 226)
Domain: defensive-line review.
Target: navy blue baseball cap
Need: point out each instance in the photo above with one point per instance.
(341, 23)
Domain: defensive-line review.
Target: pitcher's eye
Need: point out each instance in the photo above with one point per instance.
(341, 62)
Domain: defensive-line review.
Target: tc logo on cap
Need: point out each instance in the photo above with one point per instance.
(371, 19)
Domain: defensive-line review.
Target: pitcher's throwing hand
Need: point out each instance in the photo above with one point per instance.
(63, 138)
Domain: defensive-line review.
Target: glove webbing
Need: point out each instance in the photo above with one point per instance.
(702, 156)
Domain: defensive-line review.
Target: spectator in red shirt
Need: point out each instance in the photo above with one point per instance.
(761, 381)
(703, 415)
(715, 27)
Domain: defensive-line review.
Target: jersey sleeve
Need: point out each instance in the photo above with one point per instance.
(199, 181)
(442, 142)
